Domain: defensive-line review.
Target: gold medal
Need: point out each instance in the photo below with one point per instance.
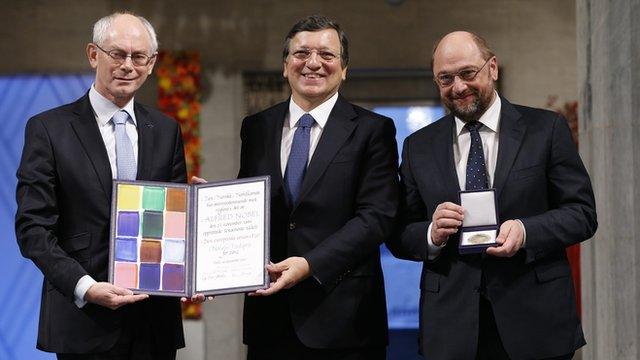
(479, 239)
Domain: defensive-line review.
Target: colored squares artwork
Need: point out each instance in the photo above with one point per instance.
(149, 240)
(153, 198)
(128, 196)
(152, 224)
(173, 277)
(173, 251)
(126, 274)
(151, 251)
(128, 223)
(175, 224)
(176, 200)
(150, 276)
(126, 249)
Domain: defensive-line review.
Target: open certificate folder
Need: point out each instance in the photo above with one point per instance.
(178, 240)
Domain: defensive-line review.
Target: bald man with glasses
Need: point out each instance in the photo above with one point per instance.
(515, 300)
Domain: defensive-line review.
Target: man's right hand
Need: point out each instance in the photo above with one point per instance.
(111, 296)
(445, 221)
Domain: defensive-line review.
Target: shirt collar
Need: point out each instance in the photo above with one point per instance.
(490, 118)
(104, 109)
(320, 113)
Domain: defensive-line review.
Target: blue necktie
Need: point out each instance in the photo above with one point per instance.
(476, 166)
(125, 160)
(298, 157)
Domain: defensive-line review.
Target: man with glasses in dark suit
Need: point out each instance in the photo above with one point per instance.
(71, 155)
(516, 300)
(333, 202)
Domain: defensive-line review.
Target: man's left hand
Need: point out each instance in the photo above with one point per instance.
(197, 298)
(285, 274)
(511, 238)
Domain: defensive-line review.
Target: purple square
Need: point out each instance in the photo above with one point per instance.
(128, 223)
(173, 277)
(149, 276)
(126, 249)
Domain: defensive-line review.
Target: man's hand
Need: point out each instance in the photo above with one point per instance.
(510, 239)
(111, 296)
(285, 274)
(197, 180)
(445, 221)
(197, 298)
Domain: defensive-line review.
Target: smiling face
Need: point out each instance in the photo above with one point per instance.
(119, 82)
(314, 80)
(467, 100)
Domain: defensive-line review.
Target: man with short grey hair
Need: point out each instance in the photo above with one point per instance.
(71, 155)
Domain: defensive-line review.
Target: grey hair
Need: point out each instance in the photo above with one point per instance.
(101, 27)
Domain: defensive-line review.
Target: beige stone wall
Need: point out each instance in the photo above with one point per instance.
(535, 39)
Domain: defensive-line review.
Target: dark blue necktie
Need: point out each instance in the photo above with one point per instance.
(298, 157)
(476, 166)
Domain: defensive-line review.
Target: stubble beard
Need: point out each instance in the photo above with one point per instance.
(473, 111)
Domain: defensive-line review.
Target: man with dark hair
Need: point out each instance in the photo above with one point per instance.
(333, 202)
(516, 300)
(71, 155)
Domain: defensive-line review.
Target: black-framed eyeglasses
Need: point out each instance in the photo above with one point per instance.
(120, 56)
(305, 54)
(467, 75)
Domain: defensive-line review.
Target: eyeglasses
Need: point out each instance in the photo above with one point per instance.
(305, 54)
(467, 75)
(120, 56)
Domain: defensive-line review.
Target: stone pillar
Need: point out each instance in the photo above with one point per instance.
(608, 44)
(221, 117)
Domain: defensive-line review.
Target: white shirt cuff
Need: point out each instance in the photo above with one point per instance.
(433, 251)
(82, 286)
(524, 233)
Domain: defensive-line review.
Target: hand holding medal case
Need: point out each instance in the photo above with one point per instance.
(480, 225)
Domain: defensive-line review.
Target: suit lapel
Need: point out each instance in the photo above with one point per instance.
(337, 130)
(145, 142)
(512, 130)
(446, 164)
(273, 133)
(86, 128)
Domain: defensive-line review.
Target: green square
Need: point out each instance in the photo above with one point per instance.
(153, 198)
(152, 224)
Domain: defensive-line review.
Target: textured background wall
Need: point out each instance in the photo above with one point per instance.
(535, 39)
(609, 85)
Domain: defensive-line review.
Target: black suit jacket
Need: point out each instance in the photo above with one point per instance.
(62, 223)
(539, 179)
(346, 209)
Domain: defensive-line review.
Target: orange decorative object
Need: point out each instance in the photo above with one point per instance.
(179, 97)
(570, 111)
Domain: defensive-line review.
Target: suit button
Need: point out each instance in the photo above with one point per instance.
(292, 226)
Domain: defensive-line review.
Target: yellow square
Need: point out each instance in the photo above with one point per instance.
(128, 197)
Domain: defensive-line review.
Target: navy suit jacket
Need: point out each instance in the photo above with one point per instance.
(62, 224)
(539, 179)
(346, 209)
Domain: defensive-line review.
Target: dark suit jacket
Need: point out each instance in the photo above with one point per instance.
(62, 223)
(346, 209)
(540, 179)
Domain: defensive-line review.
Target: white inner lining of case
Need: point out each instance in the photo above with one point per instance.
(479, 208)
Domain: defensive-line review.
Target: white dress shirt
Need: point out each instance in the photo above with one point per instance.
(103, 109)
(320, 115)
(461, 144)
